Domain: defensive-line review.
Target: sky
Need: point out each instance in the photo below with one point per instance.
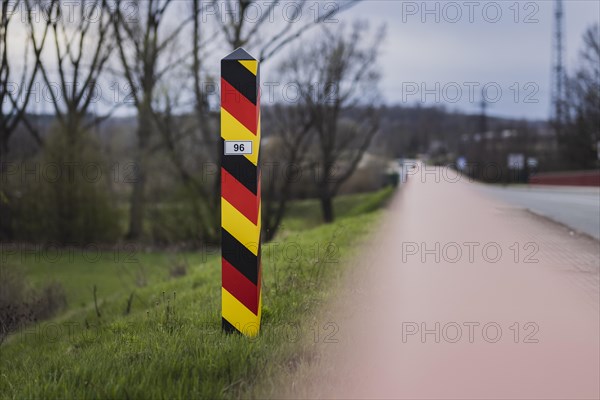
(436, 52)
(448, 51)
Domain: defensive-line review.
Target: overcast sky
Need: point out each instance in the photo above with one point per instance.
(441, 52)
(479, 46)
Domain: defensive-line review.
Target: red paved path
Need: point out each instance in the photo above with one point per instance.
(388, 298)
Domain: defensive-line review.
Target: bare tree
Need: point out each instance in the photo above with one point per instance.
(15, 90)
(187, 152)
(139, 60)
(581, 138)
(144, 51)
(337, 80)
(82, 46)
(264, 31)
(77, 209)
(15, 94)
(238, 29)
(245, 22)
(286, 152)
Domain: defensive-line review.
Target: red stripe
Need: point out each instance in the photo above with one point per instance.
(239, 196)
(239, 106)
(240, 287)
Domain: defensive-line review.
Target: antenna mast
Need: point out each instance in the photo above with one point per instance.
(558, 113)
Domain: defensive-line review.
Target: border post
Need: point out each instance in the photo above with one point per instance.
(240, 194)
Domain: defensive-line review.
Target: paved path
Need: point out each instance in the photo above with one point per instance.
(426, 317)
(578, 208)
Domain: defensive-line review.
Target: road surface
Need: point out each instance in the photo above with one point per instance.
(578, 208)
(461, 297)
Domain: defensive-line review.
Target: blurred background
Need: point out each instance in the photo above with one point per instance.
(110, 110)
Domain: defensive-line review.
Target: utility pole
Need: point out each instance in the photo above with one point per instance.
(483, 125)
(558, 113)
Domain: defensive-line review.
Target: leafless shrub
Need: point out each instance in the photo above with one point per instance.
(21, 305)
(49, 301)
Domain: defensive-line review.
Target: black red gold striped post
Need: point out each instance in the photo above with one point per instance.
(240, 193)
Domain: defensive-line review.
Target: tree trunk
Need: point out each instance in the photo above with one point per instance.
(6, 230)
(137, 201)
(4, 144)
(5, 205)
(68, 190)
(327, 208)
(136, 206)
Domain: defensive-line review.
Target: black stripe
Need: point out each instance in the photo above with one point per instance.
(241, 168)
(239, 256)
(227, 327)
(240, 78)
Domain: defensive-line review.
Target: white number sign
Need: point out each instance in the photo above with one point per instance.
(233, 147)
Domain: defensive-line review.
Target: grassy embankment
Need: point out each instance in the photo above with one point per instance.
(170, 344)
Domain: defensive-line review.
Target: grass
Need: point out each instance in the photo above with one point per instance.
(79, 270)
(170, 345)
(305, 214)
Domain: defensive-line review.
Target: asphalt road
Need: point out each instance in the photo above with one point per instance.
(578, 208)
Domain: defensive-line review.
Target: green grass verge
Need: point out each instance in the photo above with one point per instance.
(78, 270)
(305, 214)
(170, 345)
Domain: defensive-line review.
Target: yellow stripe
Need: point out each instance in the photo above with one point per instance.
(240, 227)
(239, 316)
(251, 65)
(232, 129)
